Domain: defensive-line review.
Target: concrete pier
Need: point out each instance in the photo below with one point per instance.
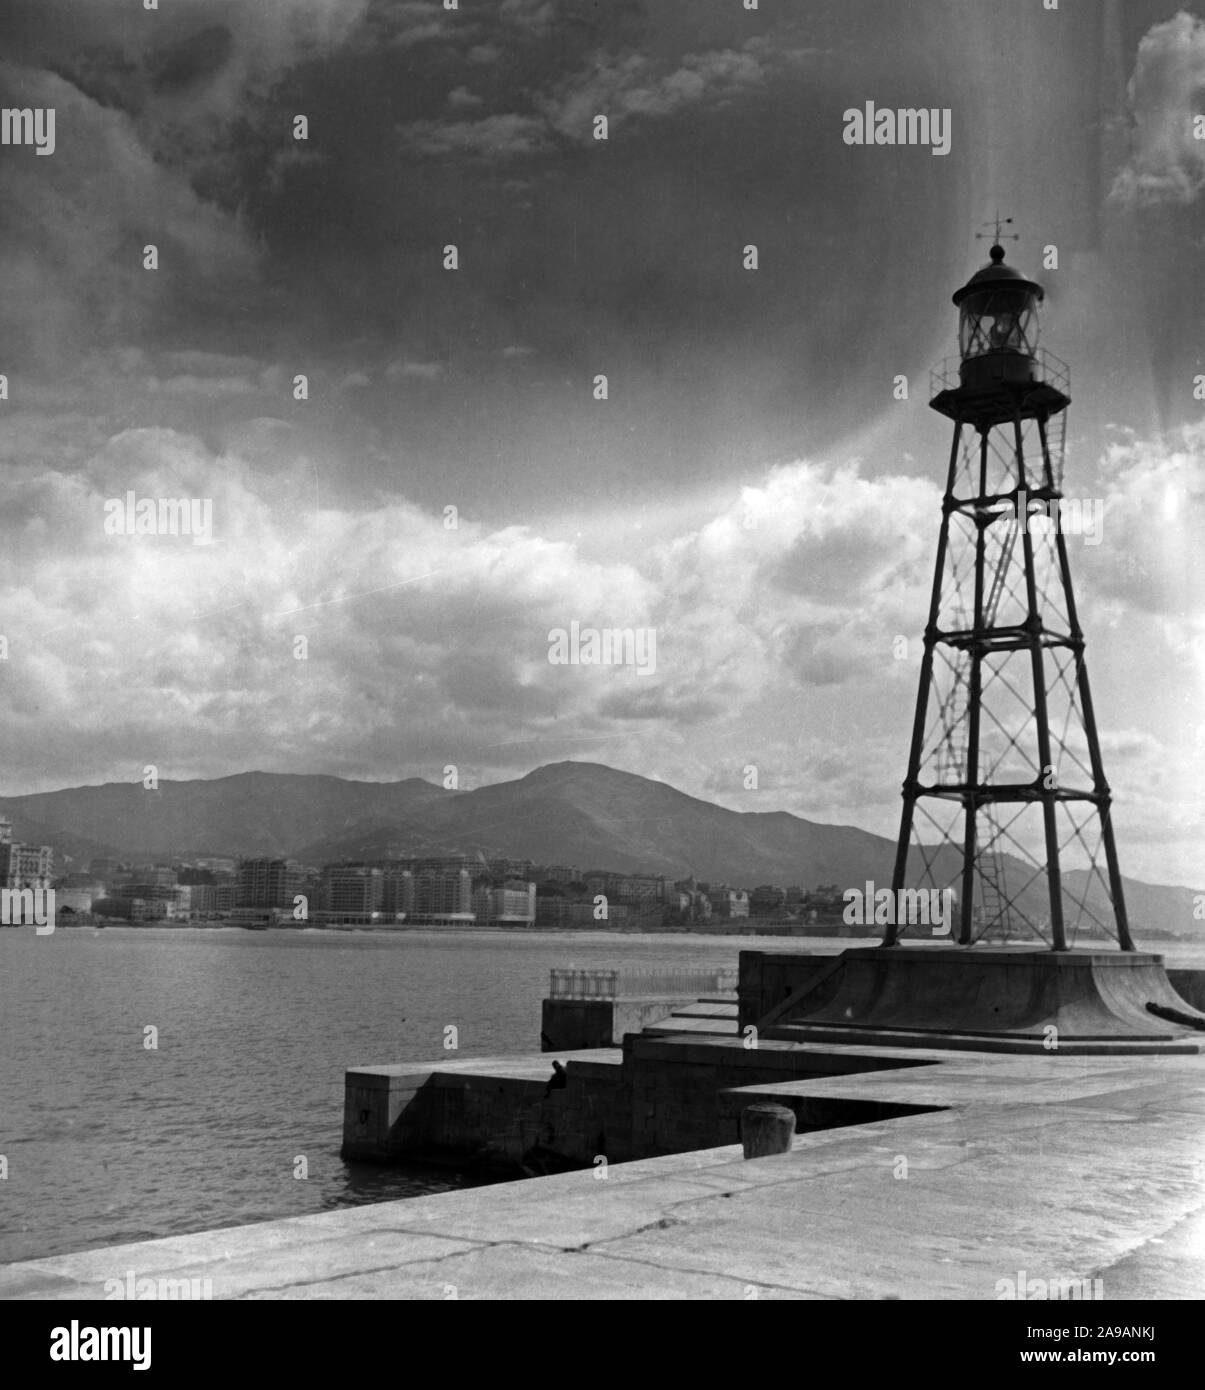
(1064, 1169)
(917, 1171)
(494, 1111)
(666, 1090)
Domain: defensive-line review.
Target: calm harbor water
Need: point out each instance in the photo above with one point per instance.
(107, 1140)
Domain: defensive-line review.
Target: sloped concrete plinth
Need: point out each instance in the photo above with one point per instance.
(994, 1000)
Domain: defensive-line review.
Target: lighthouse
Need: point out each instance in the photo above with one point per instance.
(1005, 800)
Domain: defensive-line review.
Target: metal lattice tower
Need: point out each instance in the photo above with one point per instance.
(1005, 780)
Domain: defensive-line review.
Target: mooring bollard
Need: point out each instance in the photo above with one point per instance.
(767, 1129)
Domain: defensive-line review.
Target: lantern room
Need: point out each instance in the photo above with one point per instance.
(998, 324)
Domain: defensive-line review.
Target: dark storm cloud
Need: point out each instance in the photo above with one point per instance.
(106, 75)
(623, 256)
(193, 59)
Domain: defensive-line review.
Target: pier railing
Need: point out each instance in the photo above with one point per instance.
(639, 984)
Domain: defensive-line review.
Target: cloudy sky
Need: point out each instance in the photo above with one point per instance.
(750, 488)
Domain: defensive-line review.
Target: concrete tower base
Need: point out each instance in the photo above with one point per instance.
(979, 999)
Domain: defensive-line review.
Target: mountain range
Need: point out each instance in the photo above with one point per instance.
(584, 814)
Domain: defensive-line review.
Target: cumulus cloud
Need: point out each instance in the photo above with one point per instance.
(637, 86)
(499, 136)
(461, 99)
(185, 645)
(619, 85)
(1153, 520)
(1167, 160)
(806, 579)
(192, 646)
(775, 622)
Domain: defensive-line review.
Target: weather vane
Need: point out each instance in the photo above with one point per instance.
(999, 236)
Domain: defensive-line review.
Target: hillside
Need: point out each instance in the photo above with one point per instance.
(584, 814)
(251, 813)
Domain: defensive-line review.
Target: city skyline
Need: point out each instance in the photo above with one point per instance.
(751, 491)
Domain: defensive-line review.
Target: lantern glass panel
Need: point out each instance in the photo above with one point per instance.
(998, 319)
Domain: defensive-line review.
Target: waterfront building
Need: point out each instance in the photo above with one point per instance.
(268, 882)
(355, 889)
(513, 904)
(76, 880)
(25, 866)
(212, 899)
(219, 864)
(443, 896)
(75, 900)
(440, 864)
(557, 873)
(629, 888)
(768, 900)
(825, 899)
(146, 910)
(692, 902)
(148, 892)
(728, 902)
(560, 912)
(397, 892)
(501, 868)
(153, 899)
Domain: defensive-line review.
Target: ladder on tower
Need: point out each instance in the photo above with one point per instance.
(952, 750)
(1056, 442)
(993, 889)
(993, 894)
(956, 731)
(1003, 561)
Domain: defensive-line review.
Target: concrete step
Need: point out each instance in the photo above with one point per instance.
(713, 1016)
(707, 1027)
(705, 1010)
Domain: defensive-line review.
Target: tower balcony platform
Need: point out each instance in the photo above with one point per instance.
(986, 391)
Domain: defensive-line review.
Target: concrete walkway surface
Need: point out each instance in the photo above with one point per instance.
(1066, 1168)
